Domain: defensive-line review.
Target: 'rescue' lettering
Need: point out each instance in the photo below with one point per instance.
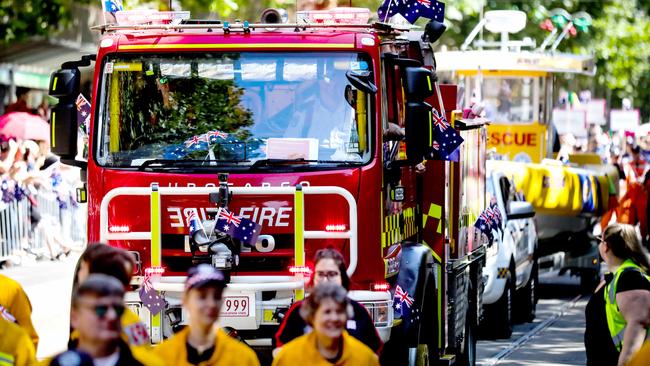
(513, 138)
(265, 216)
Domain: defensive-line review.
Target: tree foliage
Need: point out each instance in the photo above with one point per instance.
(28, 18)
(619, 40)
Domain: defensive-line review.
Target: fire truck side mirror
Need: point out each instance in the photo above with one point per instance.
(417, 129)
(361, 81)
(64, 85)
(418, 85)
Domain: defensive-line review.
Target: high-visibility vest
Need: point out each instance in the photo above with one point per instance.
(615, 321)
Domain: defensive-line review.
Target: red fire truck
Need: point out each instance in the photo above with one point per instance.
(304, 119)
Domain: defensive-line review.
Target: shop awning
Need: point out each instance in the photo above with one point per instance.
(32, 63)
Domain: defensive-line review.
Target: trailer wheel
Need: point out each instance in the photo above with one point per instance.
(527, 297)
(589, 279)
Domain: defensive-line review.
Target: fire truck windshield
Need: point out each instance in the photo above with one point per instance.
(232, 109)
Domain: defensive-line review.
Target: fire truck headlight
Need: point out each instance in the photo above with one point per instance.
(137, 268)
(380, 312)
(381, 315)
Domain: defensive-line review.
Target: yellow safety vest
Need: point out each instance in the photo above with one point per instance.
(615, 321)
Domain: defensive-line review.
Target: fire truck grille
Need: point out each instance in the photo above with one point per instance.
(267, 258)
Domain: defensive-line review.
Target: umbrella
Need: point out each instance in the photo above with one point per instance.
(24, 126)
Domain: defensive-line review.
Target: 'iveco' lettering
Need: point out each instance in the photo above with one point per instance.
(265, 216)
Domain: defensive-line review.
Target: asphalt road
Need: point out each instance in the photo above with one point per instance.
(554, 338)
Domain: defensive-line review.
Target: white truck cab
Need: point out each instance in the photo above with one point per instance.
(510, 273)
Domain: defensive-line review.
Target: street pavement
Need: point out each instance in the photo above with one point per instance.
(554, 338)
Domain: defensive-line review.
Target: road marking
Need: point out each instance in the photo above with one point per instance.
(528, 336)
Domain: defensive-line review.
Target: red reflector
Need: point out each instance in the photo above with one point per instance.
(154, 271)
(335, 227)
(300, 269)
(381, 286)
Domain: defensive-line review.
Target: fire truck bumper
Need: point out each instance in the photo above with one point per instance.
(250, 302)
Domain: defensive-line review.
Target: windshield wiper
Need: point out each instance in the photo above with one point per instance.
(185, 163)
(299, 162)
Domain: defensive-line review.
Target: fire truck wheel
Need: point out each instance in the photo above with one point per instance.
(422, 355)
(468, 355)
(428, 338)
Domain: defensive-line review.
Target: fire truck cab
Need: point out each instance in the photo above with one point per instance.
(319, 126)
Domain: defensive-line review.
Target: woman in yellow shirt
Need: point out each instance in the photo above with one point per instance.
(327, 311)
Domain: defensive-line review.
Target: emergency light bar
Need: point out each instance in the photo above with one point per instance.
(137, 17)
(334, 16)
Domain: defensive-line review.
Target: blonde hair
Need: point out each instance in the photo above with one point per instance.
(624, 243)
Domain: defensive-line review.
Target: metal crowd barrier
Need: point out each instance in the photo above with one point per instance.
(18, 236)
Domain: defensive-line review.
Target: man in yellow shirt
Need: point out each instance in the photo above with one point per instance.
(201, 343)
(97, 306)
(16, 348)
(15, 300)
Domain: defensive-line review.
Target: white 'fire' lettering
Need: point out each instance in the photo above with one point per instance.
(266, 216)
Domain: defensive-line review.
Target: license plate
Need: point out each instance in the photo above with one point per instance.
(236, 306)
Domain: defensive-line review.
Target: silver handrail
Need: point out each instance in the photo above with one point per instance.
(105, 235)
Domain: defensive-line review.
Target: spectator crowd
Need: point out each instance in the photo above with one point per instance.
(34, 186)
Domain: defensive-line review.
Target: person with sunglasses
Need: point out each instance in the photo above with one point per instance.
(201, 342)
(118, 263)
(329, 266)
(617, 316)
(97, 307)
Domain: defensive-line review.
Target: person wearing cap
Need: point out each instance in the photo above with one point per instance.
(14, 299)
(97, 306)
(16, 348)
(116, 262)
(326, 310)
(201, 342)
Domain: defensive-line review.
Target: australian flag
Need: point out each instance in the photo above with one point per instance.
(412, 9)
(485, 225)
(402, 302)
(151, 298)
(446, 140)
(497, 218)
(240, 228)
(83, 112)
(112, 6)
